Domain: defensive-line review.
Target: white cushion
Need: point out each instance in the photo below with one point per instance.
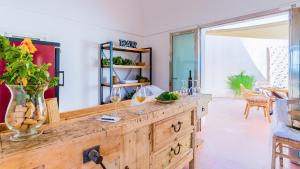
(281, 121)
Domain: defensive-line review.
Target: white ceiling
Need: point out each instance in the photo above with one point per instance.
(170, 15)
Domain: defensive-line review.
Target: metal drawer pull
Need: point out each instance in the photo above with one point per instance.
(177, 127)
(176, 150)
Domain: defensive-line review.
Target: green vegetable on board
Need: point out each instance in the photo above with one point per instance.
(166, 96)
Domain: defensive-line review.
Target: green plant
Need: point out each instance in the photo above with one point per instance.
(166, 96)
(118, 60)
(235, 81)
(105, 62)
(20, 69)
(142, 79)
(127, 62)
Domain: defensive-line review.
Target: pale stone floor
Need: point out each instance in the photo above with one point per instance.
(231, 142)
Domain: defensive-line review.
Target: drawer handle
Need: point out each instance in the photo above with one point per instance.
(177, 127)
(177, 149)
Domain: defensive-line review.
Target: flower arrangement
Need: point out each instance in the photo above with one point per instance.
(20, 69)
(27, 82)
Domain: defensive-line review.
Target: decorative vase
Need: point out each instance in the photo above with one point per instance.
(26, 111)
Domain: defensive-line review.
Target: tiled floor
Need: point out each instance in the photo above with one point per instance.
(231, 142)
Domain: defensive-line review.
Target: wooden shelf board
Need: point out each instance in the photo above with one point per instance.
(127, 84)
(135, 50)
(128, 67)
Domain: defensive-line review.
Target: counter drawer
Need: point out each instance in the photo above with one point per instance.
(202, 110)
(171, 155)
(165, 131)
(68, 154)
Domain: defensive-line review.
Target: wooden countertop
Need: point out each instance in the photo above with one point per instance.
(79, 127)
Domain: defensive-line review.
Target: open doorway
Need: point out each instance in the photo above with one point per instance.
(257, 47)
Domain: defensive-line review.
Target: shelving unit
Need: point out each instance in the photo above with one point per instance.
(128, 67)
(115, 68)
(127, 84)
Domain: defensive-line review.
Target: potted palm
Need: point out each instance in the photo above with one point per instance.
(235, 81)
(27, 83)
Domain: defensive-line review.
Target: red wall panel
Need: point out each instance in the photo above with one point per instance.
(44, 54)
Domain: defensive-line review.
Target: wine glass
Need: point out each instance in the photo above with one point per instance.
(140, 96)
(184, 88)
(196, 88)
(115, 97)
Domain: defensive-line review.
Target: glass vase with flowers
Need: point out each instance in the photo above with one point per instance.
(27, 83)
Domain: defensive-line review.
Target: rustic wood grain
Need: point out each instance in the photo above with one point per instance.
(165, 157)
(163, 131)
(126, 143)
(52, 110)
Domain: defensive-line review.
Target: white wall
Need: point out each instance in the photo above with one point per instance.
(79, 25)
(167, 16)
(226, 56)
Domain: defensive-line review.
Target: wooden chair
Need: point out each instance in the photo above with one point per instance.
(258, 100)
(279, 142)
(277, 150)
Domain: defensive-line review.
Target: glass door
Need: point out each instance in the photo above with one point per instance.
(184, 57)
(294, 63)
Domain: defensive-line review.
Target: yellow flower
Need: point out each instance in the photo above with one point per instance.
(27, 45)
(24, 81)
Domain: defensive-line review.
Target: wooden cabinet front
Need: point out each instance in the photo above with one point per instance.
(136, 149)
(68, 154)
(167, 130)
(163, 137)
(161, 144)
(170, 155)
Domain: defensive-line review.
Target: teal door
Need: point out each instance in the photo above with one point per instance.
(184, 58)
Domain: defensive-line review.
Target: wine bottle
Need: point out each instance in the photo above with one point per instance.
(190, 83)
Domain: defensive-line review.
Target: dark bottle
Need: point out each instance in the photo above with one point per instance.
(190, 83)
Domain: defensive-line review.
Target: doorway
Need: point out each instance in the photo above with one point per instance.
(257, 47)
(184, 57)
(260, 47)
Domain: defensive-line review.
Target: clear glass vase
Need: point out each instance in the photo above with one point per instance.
(26, 111)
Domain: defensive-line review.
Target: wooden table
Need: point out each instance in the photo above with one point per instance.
(276, 90)
(163, 137)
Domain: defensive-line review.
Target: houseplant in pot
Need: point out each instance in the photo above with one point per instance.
(27, 83)
(235, 81)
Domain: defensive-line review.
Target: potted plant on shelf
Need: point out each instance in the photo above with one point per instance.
(27, 83)
(235, 81)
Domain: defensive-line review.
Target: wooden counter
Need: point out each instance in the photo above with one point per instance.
(135, 142)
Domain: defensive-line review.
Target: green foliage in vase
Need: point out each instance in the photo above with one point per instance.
(235, 81)
(20, 69)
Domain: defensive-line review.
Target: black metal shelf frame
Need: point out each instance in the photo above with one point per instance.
(109, 46)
